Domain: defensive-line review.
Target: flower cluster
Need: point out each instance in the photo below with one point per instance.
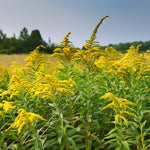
(24, 118)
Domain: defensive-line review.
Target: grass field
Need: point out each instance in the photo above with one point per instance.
(7, 60)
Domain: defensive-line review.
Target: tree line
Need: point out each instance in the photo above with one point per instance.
(125, 46)
(24, 43)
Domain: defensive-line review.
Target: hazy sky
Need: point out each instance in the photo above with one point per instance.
(129, 20)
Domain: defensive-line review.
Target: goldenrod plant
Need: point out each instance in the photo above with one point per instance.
(90, 99)
(92, 52)
(121, 108)
(66, 50)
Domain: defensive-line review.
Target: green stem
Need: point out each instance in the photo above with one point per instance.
(142, 136)
(21, 143)
(88, 112)
(121, 134)
(70, 109)
(36, 135)
(62, 126)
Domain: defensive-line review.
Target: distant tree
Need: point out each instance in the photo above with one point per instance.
(49, 42)
(24, 40)
(2, 36)
(83, 48)
(110, 44)
(35, 39)
(24, 34)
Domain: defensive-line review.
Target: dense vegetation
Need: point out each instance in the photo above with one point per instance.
(124, 46)
(92, 99)
(25, 43)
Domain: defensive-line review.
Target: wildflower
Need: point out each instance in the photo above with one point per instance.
(66, 52)
(91, 43)
(36, 59)
(121, 117)
(65, 42)
(46, 85)
(17, 87)
(7, 106)
(132, 66)
(24, 118)
(119, 105)
(1, 105)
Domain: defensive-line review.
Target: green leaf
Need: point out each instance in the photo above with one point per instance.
(62, 146)
(113, 130)
(148, 146)
(126, 145)
(111, 141)
(147, 132)
(111, 136)
(36, 145)
(60, 134)
(143, 124)
(73, 144)
(118, 147)
(51, 143)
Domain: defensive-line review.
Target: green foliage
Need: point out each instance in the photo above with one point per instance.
(25, 43)
(92, 99)
(124, 46)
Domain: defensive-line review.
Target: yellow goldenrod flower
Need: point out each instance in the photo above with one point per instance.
(121, 117)
(24, 118)
(1, 113)
(45, 86)
(65, 42)
(17, 87)
(7, 106)
(119, 105)
(1, 105)
(91, 43)
(66, 52)
(132, 66)
(36, 59)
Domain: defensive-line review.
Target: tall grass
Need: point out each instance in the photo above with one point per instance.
(6, 60)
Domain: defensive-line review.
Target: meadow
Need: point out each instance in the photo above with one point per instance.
(74, 99)
(7, 60)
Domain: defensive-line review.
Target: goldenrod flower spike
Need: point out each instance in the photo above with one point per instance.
(65, 42)
(24, 118)
(138, 48)
(93, 36)
(120, 107)
(7, 106)
(89, 44)
(36, 59)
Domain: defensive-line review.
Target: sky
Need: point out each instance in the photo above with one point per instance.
(128, 21)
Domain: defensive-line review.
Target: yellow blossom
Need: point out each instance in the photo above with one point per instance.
(24, 118)
(119, 105)
(1, 105)
(7, 106)
(17, 87)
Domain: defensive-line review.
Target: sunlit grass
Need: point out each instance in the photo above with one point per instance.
(7, 60)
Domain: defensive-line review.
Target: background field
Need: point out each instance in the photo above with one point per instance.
(7, 60)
